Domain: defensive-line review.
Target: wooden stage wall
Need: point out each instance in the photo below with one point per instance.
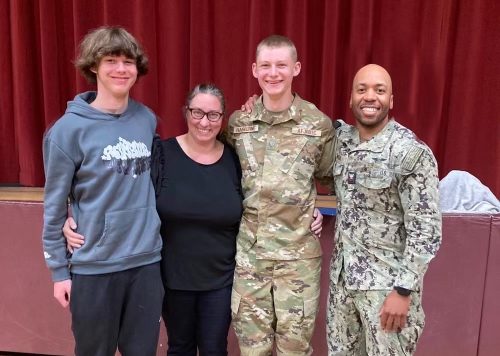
(461, 293)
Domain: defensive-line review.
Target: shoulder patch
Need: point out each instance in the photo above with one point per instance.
(411, 158)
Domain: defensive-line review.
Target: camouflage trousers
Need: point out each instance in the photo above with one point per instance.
(353, 323)
(275, 300)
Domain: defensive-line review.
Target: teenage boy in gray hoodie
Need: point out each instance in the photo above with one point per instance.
(97, 155)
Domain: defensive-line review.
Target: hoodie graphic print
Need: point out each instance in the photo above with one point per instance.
(101, 163)
(127, 157)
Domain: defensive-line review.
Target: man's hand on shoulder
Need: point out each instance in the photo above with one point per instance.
(62, 292)
(394, 312)
(248, 106)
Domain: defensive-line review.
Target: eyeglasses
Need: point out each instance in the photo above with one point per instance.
(198, 114)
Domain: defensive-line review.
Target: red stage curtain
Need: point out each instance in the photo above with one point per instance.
(444, 58)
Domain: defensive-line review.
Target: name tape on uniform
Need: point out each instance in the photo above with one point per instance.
(307, 132)
(242, 129)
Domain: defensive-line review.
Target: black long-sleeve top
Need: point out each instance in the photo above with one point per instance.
(200, 207)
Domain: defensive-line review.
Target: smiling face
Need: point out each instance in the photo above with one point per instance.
(203, 130)
(371, 98)
(115, 75)
(275, 68)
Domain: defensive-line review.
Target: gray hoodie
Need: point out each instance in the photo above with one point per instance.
(101, 163)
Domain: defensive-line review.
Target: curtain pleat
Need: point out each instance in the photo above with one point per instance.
(444, 58)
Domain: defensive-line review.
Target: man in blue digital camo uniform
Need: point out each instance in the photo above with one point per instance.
(388, 227)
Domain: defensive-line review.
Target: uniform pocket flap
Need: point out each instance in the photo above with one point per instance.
(374, 182)
(310, 306)
(235, 302)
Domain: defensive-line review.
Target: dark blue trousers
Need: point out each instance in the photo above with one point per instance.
(197, 320)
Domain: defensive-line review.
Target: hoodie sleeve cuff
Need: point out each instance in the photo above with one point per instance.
(60, 274)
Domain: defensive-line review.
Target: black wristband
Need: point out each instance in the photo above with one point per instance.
(403, 291)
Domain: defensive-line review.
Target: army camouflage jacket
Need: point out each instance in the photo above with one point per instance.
(280, 155)
(388, 224)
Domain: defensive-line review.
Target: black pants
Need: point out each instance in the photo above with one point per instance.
(197, 320)
(120, 309)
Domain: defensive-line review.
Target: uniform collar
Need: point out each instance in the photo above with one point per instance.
(294, 112)
(377, 142)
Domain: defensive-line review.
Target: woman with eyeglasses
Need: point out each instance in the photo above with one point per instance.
(197, 179)
(199, 201)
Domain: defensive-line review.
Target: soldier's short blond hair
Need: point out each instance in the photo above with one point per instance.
(105, 41)
(276, 41)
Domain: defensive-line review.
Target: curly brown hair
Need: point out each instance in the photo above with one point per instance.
(105, 41)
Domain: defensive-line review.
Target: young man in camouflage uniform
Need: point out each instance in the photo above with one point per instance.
(283, 145)
(388, 227)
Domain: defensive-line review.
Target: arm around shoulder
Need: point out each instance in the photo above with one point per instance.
(324, 172)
